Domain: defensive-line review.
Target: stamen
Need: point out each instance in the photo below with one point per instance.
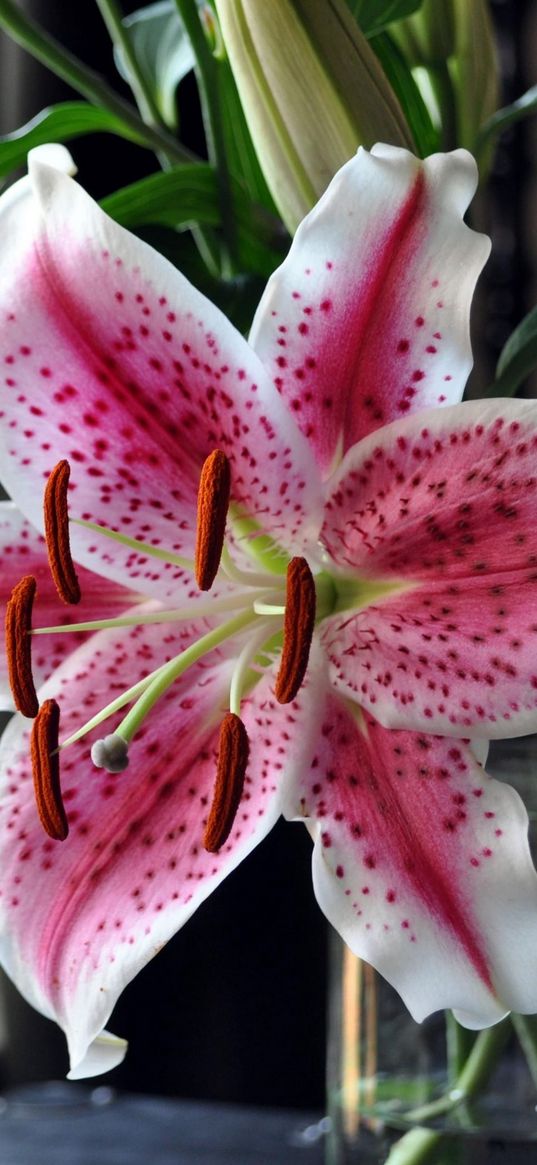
(297, 630)
(57, 534)
(46, 770)
(213, 502)
(110, 753)
(19, 646)
(233, 752)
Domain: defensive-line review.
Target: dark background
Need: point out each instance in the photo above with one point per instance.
(234, 1007)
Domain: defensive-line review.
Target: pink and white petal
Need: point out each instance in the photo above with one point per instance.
(368, 317)
(133, 868)
(448, 494)
(22, 551)
(457, 659)
(449, 507)
(422, 864)
(114, 361)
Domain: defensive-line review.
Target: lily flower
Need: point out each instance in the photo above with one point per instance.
(328, 567)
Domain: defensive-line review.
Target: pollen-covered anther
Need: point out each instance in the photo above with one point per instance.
(56, 514)
(110, 753)
(233, 753)
(298, 627)
(213, 502)
(19, 646)
(46, 771)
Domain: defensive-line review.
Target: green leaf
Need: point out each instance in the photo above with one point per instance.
(425, 134)
(518, 357)
(523, 107)
(375, 15)
(163, 51)
(59, 123)
(188, 196)
(175, 198)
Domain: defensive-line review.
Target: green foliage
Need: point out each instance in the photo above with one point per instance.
(59, 123)
(188, 195)
(518, 357)
(374, 15)
(426, 136)
(524, 106)
(163, 51)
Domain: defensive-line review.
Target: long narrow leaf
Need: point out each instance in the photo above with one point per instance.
(518, 357)
(59, 123)
(374, 15)
(524, 106)
(426, 137)
(188, 195)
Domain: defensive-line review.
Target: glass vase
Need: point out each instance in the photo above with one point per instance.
(394, 1086)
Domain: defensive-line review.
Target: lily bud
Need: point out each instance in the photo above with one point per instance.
(312, 92)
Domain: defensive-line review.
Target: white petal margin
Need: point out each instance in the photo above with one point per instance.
(422, 864)
(95, 327)
(367, 320)
(105, 1053)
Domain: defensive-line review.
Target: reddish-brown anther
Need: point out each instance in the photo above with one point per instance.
(46, 771)
(297, 630)
(213, 502)
(56, 514)
(19, 646)
(233, 752)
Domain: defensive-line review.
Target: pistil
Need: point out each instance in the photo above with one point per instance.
(46, 771)
(233, 753)
(56, 514)
(213, 503)
(164, 676)
(298, 628)
(19, 646)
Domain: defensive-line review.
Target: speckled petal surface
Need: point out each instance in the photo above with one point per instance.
(22, 551)
(447, 503)
(422, 864)
(111, 359)
(80, 918)
(368, 317)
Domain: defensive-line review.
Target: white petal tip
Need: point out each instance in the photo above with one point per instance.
(480, 1021)
(105, 1053)
(54, 155)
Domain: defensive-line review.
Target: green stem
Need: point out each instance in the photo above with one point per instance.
(208, 74)
(143, 95)
(459, 1043)
(526, 1029)
(416, 1145)
(32, 37)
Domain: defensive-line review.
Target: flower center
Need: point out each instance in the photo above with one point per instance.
(278, 611)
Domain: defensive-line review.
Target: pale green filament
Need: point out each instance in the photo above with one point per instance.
(114, 706)
(261, 608)
(248, 578)
(245, 665)
(178, 614)
(135, 544)
(171, 671)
